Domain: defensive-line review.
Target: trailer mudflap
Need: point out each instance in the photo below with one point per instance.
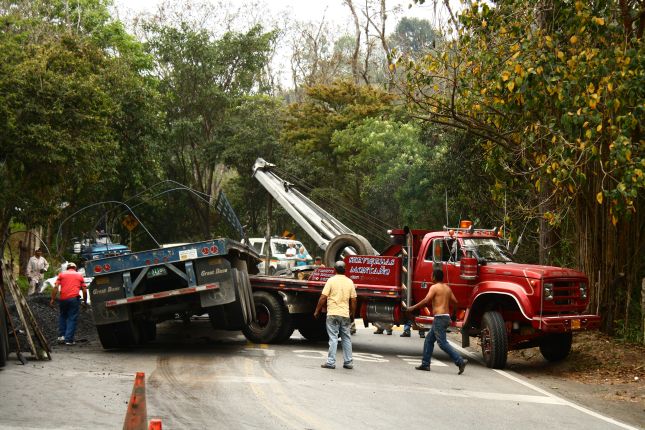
(218, 271)
(566, 323)
(103, 289)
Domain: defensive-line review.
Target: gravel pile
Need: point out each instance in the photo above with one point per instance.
(47, 317)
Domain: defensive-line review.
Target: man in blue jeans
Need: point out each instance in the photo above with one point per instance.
(441, 297)
(339, 295)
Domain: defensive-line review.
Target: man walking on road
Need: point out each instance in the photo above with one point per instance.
(70, 282)
(441, 296)
(36, 267)
(339, 295)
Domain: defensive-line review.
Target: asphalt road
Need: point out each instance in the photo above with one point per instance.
(197, 378)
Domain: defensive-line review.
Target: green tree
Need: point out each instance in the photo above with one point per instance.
(555, 92)
(201, 80)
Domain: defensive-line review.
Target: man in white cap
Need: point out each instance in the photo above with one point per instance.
(339, 295)
(70, 283)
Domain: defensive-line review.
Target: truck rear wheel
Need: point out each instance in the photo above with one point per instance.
(335, 248)
(271, 316)
(314, 329)
(556, 346)
(119, 335)
(494, 340)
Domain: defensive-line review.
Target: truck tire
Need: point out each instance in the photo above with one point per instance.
(556, 347)
(286, 330)
(4, 338)
(313, 329)
(334, 251)
(494, 340)
(271, 317)
(119, 335)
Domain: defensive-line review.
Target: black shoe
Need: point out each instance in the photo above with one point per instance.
(422, 367)
(388, 332)
(379, 331)
(462, 366)
(327, 366)
(405, 334)
(348, 366)
(422, 334)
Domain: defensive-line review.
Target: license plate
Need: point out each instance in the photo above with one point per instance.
(575, 324)
(156, 271)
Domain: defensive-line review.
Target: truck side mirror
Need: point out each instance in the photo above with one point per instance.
(469, 268)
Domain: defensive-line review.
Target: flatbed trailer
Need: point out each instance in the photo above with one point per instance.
(131, 293)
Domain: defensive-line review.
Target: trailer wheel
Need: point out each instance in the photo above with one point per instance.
(335, 248)
(556, 346)
(119, 335)
(270, 319)
(494, 340)
(147, 331)
(314, 329)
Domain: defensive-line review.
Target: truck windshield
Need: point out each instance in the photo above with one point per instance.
(488, 249)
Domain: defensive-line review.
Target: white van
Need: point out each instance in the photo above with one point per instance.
(279, 260)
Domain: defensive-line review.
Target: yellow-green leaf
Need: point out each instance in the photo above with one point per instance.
(574, 39)
(510, 86)
(599, 197)
(505, 75)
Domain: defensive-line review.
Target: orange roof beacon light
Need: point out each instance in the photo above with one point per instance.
(465, 224)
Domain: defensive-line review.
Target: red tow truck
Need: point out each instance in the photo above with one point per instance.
(507, 305)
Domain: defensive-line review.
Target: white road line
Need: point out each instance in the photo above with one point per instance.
(416, 360)
(559, 400)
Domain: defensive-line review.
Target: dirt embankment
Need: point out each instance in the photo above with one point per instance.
(47, 317)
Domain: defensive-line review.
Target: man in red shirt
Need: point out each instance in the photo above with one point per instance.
(69, 282)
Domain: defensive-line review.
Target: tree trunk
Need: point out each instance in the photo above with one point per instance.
(643, 309)
(609, 255)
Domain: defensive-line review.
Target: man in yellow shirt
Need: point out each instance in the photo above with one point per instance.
(339, 294)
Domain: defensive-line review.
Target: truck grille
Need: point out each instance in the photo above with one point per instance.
(566, 297)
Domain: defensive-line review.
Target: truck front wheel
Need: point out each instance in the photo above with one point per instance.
(556, 347)
(270, 319)
(494, 340)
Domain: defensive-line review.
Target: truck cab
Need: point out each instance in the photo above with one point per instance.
(508, 305)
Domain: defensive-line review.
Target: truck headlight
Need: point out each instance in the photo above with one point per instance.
(548, 291)
(583, 290)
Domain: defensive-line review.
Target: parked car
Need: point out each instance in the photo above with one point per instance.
(278, 259)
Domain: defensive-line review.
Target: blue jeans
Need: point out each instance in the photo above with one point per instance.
(438, 334)
(68, 316)
(335, 325)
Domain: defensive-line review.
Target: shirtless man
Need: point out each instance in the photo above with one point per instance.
(441, 297)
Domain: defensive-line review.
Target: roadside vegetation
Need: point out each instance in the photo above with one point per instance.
(526, 114)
